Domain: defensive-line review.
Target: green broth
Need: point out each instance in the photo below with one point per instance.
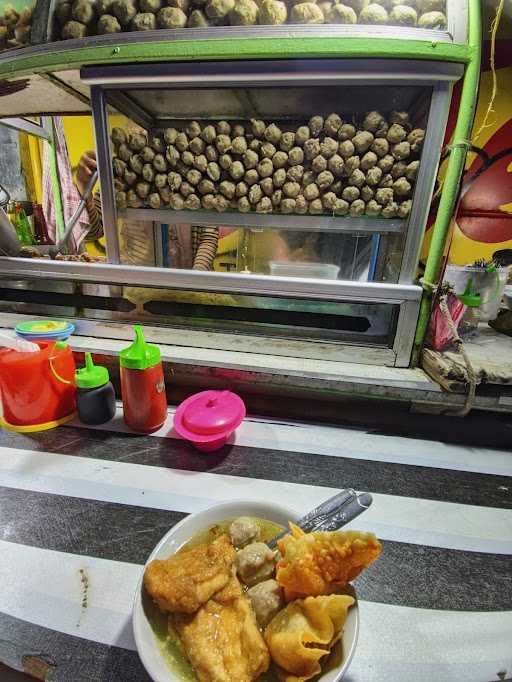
(167, 639)
(268, 530)
(168, 643)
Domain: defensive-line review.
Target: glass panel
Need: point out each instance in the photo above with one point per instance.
(371, 324)
(100, 18)
(284, 253)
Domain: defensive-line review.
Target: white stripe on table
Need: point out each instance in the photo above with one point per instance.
(352, 443)
(44, 588)
(404, 519)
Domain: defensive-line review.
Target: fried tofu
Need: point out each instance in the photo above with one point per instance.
(222, 640)
(186, 580)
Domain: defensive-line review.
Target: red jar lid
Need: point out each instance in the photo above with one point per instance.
(208, 415)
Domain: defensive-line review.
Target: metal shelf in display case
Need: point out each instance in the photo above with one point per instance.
(303, 223)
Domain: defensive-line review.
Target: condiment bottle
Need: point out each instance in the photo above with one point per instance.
(95, 395)
(22, 226)
(142, 385)
(40, 226)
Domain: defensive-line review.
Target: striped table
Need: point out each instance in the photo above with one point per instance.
(80, 510)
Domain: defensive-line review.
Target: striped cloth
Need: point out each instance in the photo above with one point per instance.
(81, 505)
(69, 193)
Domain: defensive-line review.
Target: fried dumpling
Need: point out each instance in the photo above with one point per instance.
(186, 580)
(319, 563)
(304, 632)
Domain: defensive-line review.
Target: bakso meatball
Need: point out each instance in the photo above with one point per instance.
(435, 20)
(373, 14)
(108, 24)
(217, 9)
(267, 600)
(124, 11)
(403, 15)
(145, 21)
(150, 5)
(83, 11)
(272, 12)
(74, 29)
(244, 13)
(197, 19)
(255, 563)
(171, 17)
(341, 14)
(307, 13)
(373, 121)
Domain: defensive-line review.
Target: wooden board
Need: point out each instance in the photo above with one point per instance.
(490, 354)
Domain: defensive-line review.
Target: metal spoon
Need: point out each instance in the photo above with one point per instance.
(332, 514)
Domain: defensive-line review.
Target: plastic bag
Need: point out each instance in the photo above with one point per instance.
(440, 335)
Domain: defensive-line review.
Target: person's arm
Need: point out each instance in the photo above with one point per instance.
(85, 169)
(93, 208)
(206, 248)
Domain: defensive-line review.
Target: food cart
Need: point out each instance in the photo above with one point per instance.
(347, 289)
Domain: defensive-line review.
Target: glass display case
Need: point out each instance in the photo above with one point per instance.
(355, 243)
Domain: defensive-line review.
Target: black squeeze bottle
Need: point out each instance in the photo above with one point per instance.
(95, 396)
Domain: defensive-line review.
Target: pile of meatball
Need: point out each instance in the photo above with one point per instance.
(255, 567)
(15, 27)
(80, 18)
(329, 166)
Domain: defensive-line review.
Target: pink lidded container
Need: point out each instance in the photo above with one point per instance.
(208, 419)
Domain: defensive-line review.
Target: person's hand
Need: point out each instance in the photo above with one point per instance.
(86, 167)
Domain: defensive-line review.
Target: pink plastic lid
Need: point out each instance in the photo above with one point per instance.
(209, 415)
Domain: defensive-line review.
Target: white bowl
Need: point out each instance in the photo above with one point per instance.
(145, 639)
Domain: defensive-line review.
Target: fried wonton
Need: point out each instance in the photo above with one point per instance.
(222, 640)
(304, 632)
(319, 563)
(186, 580)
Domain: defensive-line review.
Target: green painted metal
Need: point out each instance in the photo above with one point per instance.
(56, 188)
(18, 5)
(454, 171)
(62, 58)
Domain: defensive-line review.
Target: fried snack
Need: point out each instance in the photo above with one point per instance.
(319, 563)
(304, 632)
(186, 580)
(222, 640)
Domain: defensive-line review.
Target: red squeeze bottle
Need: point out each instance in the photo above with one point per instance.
(142, 385)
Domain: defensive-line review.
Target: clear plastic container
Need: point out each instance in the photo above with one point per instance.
(311, 270)
(507, 296)
(489, 285)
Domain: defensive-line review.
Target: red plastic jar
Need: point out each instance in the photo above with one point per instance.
(38, 389)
